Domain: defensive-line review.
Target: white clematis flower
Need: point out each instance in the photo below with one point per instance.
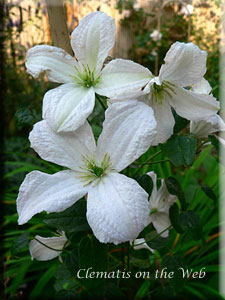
(156, 35)
(46, 248)
(117, 207)
(203, 127)
(159, 204)
(67, 107)
(185, 64)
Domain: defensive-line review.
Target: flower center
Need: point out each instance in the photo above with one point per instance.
(94, 171)
(153, 211)
(158, 92)
(86, 77)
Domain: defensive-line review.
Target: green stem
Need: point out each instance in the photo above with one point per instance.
(153, 162)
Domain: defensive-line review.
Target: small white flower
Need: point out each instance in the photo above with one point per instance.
(141, 244)
(203, 127)
(187, 9)
(185, 64)
(126, 13)
(136, 6)
(46, 248)
(156, 35)
(159, 204)
(117, 207)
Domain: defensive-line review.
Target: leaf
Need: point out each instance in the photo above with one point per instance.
(20, 242)
(71, 220)
(180, 123)
(92, 254)
(191, 223)
(180, 149)
(37, 290)
(145, 182)
(175, 217)
(66, 295)
(174, 188)
(209, 192)
(215, 142)
(172, 264)
(23, 117)
(156, 241)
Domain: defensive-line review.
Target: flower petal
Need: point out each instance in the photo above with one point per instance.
(202, 87)
(57, 63)
(141, 244)
(193, 106)
(184, 65)
(65, 149)
(66, 107)
(161, 221)
(165, 122)
(51, 193)
(43, 253)
(123, 78)
(206, 126)
(93, 38)
(117, 209)
(128, 131)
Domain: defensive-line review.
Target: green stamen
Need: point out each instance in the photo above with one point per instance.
(158, 91)
(92, 171)
(86, 77)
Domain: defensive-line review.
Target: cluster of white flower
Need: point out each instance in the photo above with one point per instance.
(138, 116)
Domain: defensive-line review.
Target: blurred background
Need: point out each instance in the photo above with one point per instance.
(145, 31)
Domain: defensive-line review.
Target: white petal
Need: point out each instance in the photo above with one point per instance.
(185, 64)
(206, 126)
(153, 176)
(93, 38)
(202, 87)
(43, 253)
(64, 149)
(160, 199)
(193, 106)
(128, 131)
(66, 107)
(51, 193)
(141, 244)
(161, 221)
(117, 209)
(123, 78)
(57, 63)
(165, 122)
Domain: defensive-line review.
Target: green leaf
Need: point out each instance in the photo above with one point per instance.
(23, 117)
(190, 222)
(71, 220)
(215, 142)
(66, 295)
(180, 149)
(172, 264)
(92, 254)
(209, 192)
(156, 241)
(20, 242)
(145, 182)
(174, 188)
(180, 123)
(175, 217)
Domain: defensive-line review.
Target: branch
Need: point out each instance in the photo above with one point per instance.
(57, 21)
